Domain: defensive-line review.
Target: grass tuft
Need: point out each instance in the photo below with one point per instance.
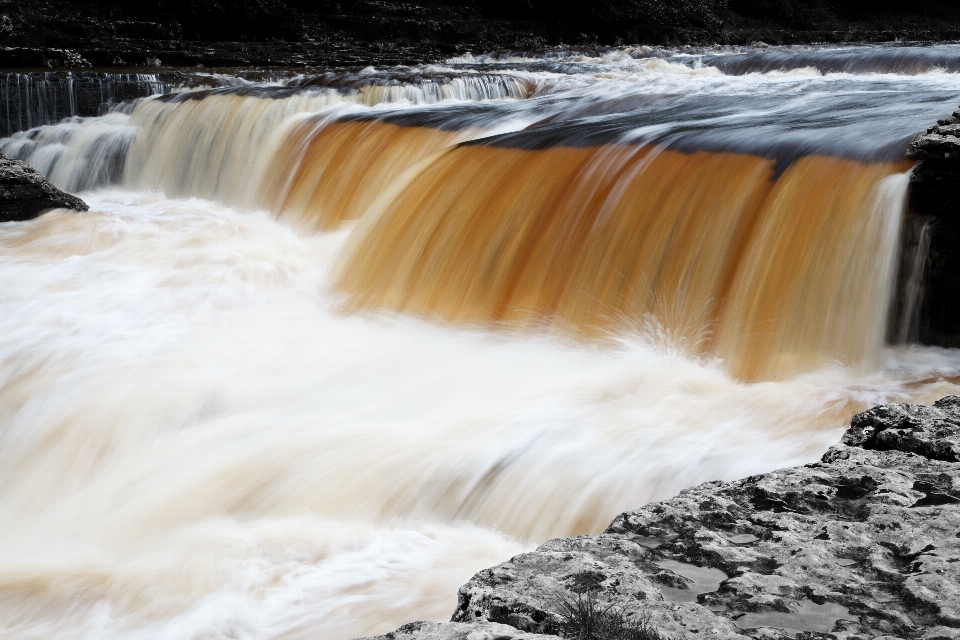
(584, 618)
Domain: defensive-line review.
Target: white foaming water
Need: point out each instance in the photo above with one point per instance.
(197, 444)
(78, 153)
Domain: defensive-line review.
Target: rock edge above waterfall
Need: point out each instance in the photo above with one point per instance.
(25, 192)
(863, 544)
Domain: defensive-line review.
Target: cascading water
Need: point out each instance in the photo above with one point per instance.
(314, 357)
(33, 99)
(217, 143)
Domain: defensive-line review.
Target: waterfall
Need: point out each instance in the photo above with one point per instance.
(773, 257)
(774, 273)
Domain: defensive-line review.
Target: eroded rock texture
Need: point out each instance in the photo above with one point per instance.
(864, 544)
(25, 192)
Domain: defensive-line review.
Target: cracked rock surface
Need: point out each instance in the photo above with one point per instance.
(863, 544)
(25, 192)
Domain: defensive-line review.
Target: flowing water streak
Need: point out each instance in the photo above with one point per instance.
(77, 154)
(325, 171)
(915, 254)
(214, 147)
(816, 280)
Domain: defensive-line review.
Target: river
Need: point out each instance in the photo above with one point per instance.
(327, 344)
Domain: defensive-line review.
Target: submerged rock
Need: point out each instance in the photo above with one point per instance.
(863, 544)
(25, 192)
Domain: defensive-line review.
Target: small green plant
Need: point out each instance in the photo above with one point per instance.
(584, 618)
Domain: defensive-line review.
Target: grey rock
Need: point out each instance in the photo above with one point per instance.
(941, 141)
(935, 145)
(863, 544)
(25, 192)
(931, 432)
(458, 631)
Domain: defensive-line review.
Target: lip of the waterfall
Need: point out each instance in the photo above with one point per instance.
(496, 85)
(892, 58)
(768, 137)
(444, 117)
(847, 118)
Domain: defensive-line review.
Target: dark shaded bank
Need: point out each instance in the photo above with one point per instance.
(28, 100)
(177, 33)
(863, 544)
(25, 192)
(932, 235)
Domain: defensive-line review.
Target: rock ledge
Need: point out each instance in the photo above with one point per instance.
(25, 192)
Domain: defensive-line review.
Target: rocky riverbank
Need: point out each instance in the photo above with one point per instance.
(863, 544)
(187, 33)
(25, 192)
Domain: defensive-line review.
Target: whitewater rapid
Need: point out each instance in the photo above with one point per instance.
(201, 438)
(197, 443)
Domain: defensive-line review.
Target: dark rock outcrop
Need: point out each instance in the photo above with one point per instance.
(177, 33)
(25, 192)
(863, 544)
(37, 98)
(935, 222)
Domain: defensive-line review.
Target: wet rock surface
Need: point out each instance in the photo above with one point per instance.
(25, 192)
(863, 544)
(940, 142)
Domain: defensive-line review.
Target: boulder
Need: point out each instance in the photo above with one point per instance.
(863, 544)
(25, 193)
